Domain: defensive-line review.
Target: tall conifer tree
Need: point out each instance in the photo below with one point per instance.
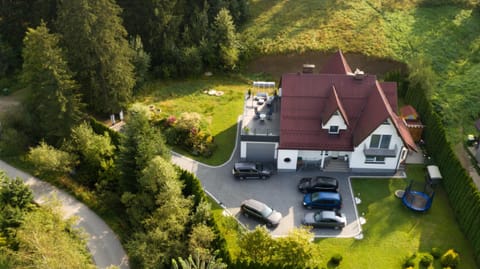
(98, 52)
(54, 104)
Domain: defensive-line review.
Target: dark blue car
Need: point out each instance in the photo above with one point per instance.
(322, 200)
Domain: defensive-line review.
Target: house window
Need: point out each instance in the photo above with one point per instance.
(333, 129)
(380, 141)
(375, 159)
(287, 160)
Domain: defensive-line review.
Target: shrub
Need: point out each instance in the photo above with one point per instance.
(409, 261)
(426, 260)
(450, 258)
(436, 253)
(336, 259)
(49, 161)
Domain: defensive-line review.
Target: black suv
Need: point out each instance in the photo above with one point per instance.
(250, 170)
(319, 183)
(260, 211)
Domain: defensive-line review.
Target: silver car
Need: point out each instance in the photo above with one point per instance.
(260, 211)
(325, 219)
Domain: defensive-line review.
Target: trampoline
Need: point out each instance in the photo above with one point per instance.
(419, 201)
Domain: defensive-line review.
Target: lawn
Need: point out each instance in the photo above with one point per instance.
(393, 232)
(220, 112)
(447, 37)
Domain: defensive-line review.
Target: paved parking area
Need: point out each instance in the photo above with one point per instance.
(279, 191)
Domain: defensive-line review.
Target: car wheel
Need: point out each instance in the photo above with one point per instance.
(269, 225)
(309, 207)
(336, 228)
(263, 177)
(245, 214)
(242, 178)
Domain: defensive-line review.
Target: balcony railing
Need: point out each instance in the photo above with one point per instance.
(380, 151)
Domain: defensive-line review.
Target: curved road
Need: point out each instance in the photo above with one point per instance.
(102, 242)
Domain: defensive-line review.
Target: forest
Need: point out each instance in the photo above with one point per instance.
(77, 59)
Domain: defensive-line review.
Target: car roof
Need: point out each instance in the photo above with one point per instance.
(257, 205)
(327, 195)
(324, 179)
(329, 214)
(244, 165)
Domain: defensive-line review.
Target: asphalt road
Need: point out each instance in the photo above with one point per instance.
(102, 242)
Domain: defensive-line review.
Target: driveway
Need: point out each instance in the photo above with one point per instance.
(102, 242)
(280, 192)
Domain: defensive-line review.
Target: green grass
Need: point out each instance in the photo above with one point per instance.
(220, 112)
(446, 36)
(393, 232)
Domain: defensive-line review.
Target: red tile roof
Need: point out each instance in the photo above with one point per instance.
(336, 65)
(333, 104)
(409, 113)
(307, 99)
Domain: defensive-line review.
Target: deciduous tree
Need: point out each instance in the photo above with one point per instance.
(49, 161)
(95, 152)
(47, 241)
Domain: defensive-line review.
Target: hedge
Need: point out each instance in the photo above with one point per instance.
(463, 194)
(101, 128)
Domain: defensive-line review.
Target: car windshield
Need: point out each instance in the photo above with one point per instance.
(317, 217)
(267, 211)
(315, 196)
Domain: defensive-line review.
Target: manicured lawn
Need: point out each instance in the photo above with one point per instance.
(393, 232)
(448, 37)
(221, 112)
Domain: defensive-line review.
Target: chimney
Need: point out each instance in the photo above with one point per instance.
(308, 68)
(358, 74)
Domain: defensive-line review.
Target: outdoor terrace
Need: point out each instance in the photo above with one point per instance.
(261, 118)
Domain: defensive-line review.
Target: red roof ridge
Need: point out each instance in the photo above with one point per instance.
(333, 104)
(337, 64)
(399, 124)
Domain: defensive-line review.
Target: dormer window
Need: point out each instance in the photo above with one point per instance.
(333, 129)
(336, 113)
(386, 122)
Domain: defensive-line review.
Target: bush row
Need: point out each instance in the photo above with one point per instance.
(101, 128)
(463, 194)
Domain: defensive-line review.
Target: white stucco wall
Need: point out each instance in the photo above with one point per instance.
(243, 149)
(310, 155)
(335, 120)
(357, 157)
(284, 154)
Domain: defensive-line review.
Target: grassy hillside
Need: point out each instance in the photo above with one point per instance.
(446, 37)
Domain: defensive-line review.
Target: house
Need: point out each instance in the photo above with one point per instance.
(330, 117)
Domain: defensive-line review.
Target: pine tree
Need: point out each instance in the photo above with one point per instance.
(53, 105)
(226, 39)
(98, 52)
